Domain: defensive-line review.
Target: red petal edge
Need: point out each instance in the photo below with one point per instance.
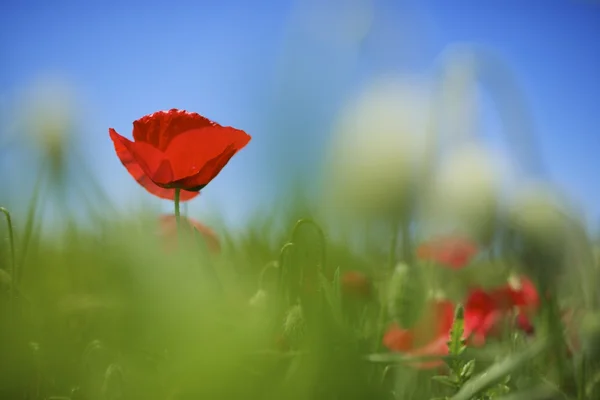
(138, 174)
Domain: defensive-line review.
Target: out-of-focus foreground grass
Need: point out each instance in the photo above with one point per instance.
(119, 312)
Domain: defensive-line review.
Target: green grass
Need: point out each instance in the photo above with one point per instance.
(107, 313)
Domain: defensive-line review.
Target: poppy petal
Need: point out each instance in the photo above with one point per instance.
(134, 168)
(398, 339)
(202, 153)
(452, 252)
(478, 306)
(445, 316)
(159, 128)
(437, 347)
(208, 172)
(168, 226)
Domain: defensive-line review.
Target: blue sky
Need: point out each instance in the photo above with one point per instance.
(279, 69)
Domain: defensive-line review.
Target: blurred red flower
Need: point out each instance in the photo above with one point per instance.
(428, 337)
(168, 229)
(177, 149)
(452, 252)
(356, 284)
(485, 311)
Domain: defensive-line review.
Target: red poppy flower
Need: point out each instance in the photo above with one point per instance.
(177, 149)
(168, 229)
(485, 311)
(524, 324)
(453, 252)
(356, 284)
(429, 337)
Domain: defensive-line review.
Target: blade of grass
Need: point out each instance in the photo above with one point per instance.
(500, 370)
(32, 214)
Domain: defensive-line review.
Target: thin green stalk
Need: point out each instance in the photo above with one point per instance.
(406, 242)
(581, 379)
(285, 284)
(32, 213)
(308, 221)
(393, 245)
(177, 212)
(391, 265)
(13, 265)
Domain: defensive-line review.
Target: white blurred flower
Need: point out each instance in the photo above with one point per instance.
(539, 213)
(539, 218)
(379, 145)
(47, 115)
(465, 190)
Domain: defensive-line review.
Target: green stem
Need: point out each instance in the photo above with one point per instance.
(13, 265)
(177, 212)
(30, 226)
(581, 379)
(406, 243)
(286, 286)
(323, 253)
(393, 246)
(383, 306)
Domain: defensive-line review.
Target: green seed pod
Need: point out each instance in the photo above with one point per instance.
(294, 324)
(406, 295)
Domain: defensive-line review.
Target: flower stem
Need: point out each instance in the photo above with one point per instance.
(177, 212)
(393, 245)
(13, 265)
(407, 244)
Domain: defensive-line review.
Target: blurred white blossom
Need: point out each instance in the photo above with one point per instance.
(465, 190)
(379, 145)
(47, 115)
(540, 213)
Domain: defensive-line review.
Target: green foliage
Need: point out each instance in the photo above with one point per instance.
(109, 313)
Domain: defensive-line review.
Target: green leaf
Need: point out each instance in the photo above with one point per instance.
(467, 370)
(336, 286)
(541, 392)
(395, 358)
(446, 380)
(498, 371)
(456, 344)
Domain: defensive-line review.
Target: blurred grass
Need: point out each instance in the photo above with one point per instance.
(108, 313)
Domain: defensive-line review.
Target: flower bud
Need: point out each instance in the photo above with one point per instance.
(406, 295)
(294, 324)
